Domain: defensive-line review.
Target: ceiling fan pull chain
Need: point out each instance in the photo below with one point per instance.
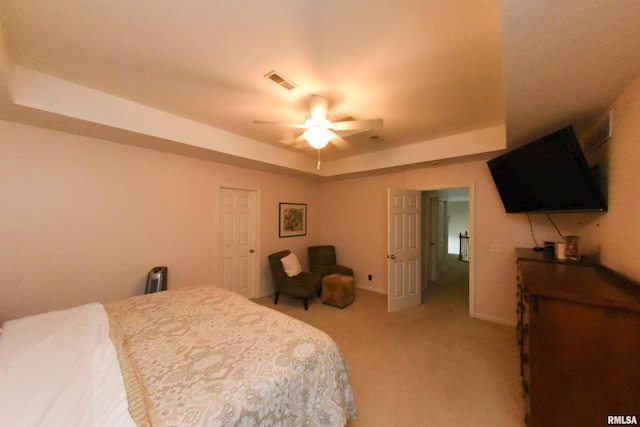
(318, 160)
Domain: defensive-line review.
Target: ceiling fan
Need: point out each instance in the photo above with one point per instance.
(319, 130)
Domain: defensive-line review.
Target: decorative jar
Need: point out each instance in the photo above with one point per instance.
(573, 248)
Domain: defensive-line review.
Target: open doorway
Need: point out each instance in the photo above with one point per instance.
(447, 213)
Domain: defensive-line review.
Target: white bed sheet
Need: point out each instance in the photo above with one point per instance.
(61, 369)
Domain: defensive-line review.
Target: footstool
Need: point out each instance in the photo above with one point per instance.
(338, 290)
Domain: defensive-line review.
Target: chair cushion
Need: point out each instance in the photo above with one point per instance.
(303, 285)
(291, 265)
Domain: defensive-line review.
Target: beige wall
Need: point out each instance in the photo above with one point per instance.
(354, 213)
(611, 238)
(458, 223)
(354, 219)
(85, 220)
(615, 236)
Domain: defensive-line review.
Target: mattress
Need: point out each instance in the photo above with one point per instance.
(192, 357)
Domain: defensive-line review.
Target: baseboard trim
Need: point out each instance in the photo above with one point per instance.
(365, 288)
(370, 289)
(495, 320)
(264, 295)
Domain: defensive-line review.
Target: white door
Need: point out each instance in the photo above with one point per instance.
(434, 221)
(443, 236)
(404, 288)
(238, 239)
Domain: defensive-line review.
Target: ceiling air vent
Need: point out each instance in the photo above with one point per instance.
(281, 80)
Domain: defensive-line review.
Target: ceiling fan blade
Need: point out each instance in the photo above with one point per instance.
(289, 138)
(357, 125)
(348, 133)
(301, 142)
(287, 142)
(340, 143)
(292, 125)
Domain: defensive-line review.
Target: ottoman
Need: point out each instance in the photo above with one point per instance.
(338, 290)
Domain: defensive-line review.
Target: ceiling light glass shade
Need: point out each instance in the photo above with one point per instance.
(318, 137)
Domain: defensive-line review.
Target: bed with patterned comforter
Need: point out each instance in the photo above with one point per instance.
(191, 357)
(208, 357)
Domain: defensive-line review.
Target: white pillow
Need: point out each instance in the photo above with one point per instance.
(291, 265)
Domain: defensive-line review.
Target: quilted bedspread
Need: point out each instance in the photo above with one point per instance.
(209, 357)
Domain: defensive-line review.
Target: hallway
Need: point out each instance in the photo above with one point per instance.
(452, 288)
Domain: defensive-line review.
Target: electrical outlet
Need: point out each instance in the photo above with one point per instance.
(370, 278)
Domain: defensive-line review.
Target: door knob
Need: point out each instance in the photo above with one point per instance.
(392, 256)
(251, 250)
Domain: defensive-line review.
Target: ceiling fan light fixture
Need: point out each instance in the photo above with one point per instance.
(320, 130)
(318, 137)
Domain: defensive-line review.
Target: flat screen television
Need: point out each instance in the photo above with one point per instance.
(548, 175)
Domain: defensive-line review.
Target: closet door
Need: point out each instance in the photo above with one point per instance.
(238, 241)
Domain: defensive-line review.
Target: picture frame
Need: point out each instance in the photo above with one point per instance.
(293, 219)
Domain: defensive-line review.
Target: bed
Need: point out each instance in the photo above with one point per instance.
(192, 357)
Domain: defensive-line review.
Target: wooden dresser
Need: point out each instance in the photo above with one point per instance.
(579, 337)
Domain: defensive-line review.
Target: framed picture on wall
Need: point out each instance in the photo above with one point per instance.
(293, 219)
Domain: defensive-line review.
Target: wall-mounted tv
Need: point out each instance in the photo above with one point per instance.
(548, 175)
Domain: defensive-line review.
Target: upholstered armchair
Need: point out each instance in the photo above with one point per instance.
(293, 281)
(322, 260)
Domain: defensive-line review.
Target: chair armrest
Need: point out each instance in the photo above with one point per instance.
(344, 270)
(326, 270)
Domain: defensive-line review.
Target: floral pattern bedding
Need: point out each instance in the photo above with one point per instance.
(209, 357)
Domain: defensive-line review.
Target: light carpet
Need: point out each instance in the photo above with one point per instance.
(430, 365)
